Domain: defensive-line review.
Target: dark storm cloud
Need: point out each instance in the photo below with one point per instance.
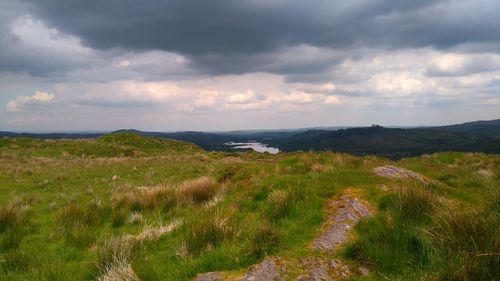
(218, 34)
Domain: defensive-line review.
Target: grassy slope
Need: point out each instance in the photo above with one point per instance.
(271, 205)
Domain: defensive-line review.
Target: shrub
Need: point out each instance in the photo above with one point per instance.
(279, 204)
(211, 231)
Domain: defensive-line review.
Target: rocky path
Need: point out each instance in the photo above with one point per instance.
(347, 213)
(343, 213)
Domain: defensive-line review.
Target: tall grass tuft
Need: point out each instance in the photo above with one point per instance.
(470, 241)
(416, 203)
(280, 202)
(14, 222)
(114, 257)
(14, 213)
(165, 197)
(16, 262)
(77, 223)
(209, 232)
(263, 241)
(119, 271)
(199, 190)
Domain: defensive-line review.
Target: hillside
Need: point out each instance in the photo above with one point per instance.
(394, 143)
(397, 143)
(130, 207)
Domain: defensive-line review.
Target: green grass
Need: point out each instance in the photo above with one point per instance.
(69, 207)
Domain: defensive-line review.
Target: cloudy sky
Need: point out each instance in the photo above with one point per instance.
(237, 64)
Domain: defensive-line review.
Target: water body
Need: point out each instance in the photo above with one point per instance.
(257, 146)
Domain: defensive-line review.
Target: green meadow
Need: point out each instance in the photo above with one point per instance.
(127, 207)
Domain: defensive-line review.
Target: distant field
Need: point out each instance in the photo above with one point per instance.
(129, 207)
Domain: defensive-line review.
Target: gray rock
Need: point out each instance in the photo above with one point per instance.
(265, 271)
(398, 173)
(316, 274)
(350, 211)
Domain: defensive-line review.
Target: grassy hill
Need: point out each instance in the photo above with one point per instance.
(129, 207)
(394, 143)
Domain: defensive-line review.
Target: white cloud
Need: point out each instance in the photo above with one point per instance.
(23, 102)
(242, 98)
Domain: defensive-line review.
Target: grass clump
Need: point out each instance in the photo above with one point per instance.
(119, 217)
(199, 190)
(417, 231)
(164, 197)
(78, 223)
(114, 257)
(14, 222)
(53, 270)
(16, 261)
(263, 241)
(470, 241)
(210, 231)
(280, 202)
(416, 203)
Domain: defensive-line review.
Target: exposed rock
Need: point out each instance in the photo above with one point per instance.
(316, 274)
(340, 269)
(209, 276)
(364, 270)
(398, 173)
(349, 212)
(321, 269)
(267, 270)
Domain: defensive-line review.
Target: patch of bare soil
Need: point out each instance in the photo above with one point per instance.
(398, 173)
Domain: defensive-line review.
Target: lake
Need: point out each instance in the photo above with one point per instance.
(257, 146)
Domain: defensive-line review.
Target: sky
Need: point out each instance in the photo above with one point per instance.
(167, 65)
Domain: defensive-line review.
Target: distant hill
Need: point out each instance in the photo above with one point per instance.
(395, 143)
(398, 143)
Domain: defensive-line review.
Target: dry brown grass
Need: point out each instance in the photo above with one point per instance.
(209, 232)
(120, 271)
(195, 191)
(198, 190)
(152, 233)
(114, 257)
